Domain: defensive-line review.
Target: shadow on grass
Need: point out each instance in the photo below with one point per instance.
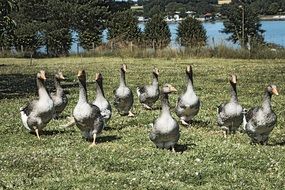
(16, 85)
(51, 132)
(110, 138)
(200, 123)
(19, 85)
(183, 147)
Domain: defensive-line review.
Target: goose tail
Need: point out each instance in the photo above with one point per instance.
(24, 118)
(244, 122)
(138, 91)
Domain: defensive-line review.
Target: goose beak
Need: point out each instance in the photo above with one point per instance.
(98, 76)
(274, 91)
(43, 75)
(81, 73)
(172, 89)
(61, 76)
(188, 68)
(125, 67)
(156, 71)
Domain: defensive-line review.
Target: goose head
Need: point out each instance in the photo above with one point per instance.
(155, 72)
(41, 75)
(59, 76)
(81, 75)
(98, 77)
(189, 72)
(168, 88)
(233, 79)
(272, 89)
(124, 68)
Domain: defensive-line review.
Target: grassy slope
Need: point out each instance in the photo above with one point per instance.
(125, 157)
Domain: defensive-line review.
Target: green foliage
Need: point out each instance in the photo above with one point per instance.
(265, 7)
(243, 25)
(191, 33)
(7, 24)
(89, 21)
(157, 33)
(169, 7)
(123, 28)
(124, 157)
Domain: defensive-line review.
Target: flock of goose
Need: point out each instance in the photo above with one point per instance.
(91, 118)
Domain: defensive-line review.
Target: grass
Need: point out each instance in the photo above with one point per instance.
(124, 157)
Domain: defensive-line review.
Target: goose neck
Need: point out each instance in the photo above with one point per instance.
(233, 91)
(59, 89)
(155, 80)
(165, 103)
(42, 90)
(190, 86)
(266, 105)
(99, 88)
(82, 91)
(122, 78)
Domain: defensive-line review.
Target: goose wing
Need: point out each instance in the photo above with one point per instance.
(29, 107)
(251, 113)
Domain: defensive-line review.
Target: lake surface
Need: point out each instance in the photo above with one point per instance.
(274, 33)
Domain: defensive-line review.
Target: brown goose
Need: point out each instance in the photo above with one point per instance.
(230, 115)
(87, 116)
(36, 115)
(165, 130)
(59, 98)
(188, 104)
(260, 121)
(149, 94)
(124, 98)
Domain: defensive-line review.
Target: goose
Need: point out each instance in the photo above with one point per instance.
(100, 101)
(123, 95)
(230, 115)
(188, 104)
(149, 94)
(165, 130)
(260, 121)
(87, 116)
(38, 113)
(59, 98)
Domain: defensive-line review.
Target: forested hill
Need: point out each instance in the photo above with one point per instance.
(169, 7)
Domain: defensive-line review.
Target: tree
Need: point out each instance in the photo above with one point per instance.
(191, 33)
(123, 28)
(243, 25)
(57, 29)
(157, 33)
(89, 21)
(7, 24)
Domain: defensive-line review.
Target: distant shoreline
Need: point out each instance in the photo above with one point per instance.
(272, 17)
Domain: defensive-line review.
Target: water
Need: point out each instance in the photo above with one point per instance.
(274, 33)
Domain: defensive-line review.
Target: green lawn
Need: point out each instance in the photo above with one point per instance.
(124, 157)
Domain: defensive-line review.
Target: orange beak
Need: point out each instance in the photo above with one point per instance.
(172, 89)
(43, 75)
(274, 91)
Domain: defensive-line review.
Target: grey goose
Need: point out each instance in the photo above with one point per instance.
(59, 97)
(87, 116)
(260, 121)
(124, 99)
(149, 94)
(100, 101)
(38, 113)
(188, 103)
(230, 115)
(165, 130)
